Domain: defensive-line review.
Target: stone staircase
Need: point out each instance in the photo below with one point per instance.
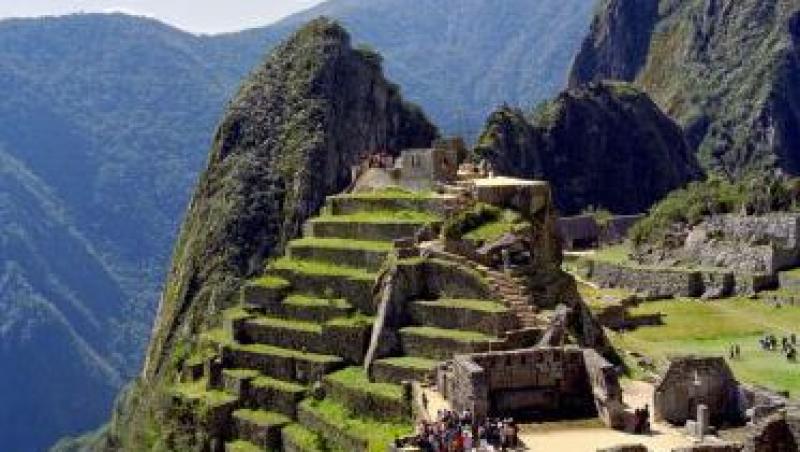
(511, 289)
(307, 321)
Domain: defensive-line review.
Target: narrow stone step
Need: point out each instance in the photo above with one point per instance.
(366, 254)
(262, 428)
(329, 280)
(442, 344)
(280, 332)
(404, 368)
(281, 363)
(485, 316)
(297, 438)
(314, 308)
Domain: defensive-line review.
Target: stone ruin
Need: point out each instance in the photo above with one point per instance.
(541, 382)
(690, 382)
(414, 169)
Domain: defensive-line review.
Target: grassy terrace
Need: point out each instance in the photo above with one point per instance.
(354, 321)
(318, 268)
(339, 244)
(381, 216)
(487, 306)
(355, 378)
(241, 373)
(270, 282)
(285, 352)
(620, 254)
(196, 390)
(598, 299)
(287, 324)
(237, 312)
(390, 193)
(303, 437)
(242, 446)
(260, 417)
(377, 434)
(264, 381)
(311, 301)
(442, 333)
(709, 328)
(411, 362)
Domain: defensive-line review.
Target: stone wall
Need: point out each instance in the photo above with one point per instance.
(543, 382)
(760, 244)
(674, 282)
(692, 381)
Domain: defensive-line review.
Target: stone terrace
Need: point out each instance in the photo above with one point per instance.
(309, 318)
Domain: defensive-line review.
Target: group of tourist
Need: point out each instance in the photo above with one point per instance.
(451, 432)
(787, 345)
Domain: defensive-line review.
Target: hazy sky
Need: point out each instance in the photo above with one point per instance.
(199, 16)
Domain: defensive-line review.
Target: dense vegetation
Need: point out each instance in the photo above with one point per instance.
(688, 206)
(727, 71)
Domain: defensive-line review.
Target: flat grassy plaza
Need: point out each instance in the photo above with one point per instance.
(711, 327)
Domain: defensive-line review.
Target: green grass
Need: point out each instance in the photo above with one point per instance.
(596, 298)
(196, 390)
(312, 301)
(216, 336)
(287, 324)
(458, 335)
(346, 244)
(263, 418)
(411, 362)
(695, 327)
(617, 254)
(242, 446)
(318, 268)
(235, 313)
(303, 437)
(490, 231)
(391, 193)
(355, 378)
(353, 321)
(381, 216)
(377, 434)
(264, 381)
(241, 373)
(285, 352)
(487, 306)
(270, 282)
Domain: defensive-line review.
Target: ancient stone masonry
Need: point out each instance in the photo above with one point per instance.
(583, 231)
(666, 282)
(745, 243)
(545, 382)
(693, 381)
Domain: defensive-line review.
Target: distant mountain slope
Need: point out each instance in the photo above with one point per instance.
(727, 70)
(101, 120)
(111, 115)
(606, 145)
(457, 58)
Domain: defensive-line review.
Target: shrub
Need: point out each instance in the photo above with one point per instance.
(470, 219)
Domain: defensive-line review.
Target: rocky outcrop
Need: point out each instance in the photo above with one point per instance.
(605, 145)
(288, 140)
(727, 70)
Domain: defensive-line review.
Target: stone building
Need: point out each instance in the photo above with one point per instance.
(691, 381)
(414, 169)
(541, 382)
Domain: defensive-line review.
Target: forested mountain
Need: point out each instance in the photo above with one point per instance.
(606, 145)
(104, 125)
(727, 70)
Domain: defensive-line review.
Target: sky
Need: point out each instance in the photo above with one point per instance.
(197, 16)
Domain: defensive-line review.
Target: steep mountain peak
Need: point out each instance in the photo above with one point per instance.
(287, 141)
(601, 145)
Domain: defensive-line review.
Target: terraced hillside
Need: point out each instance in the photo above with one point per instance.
(305, 326)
